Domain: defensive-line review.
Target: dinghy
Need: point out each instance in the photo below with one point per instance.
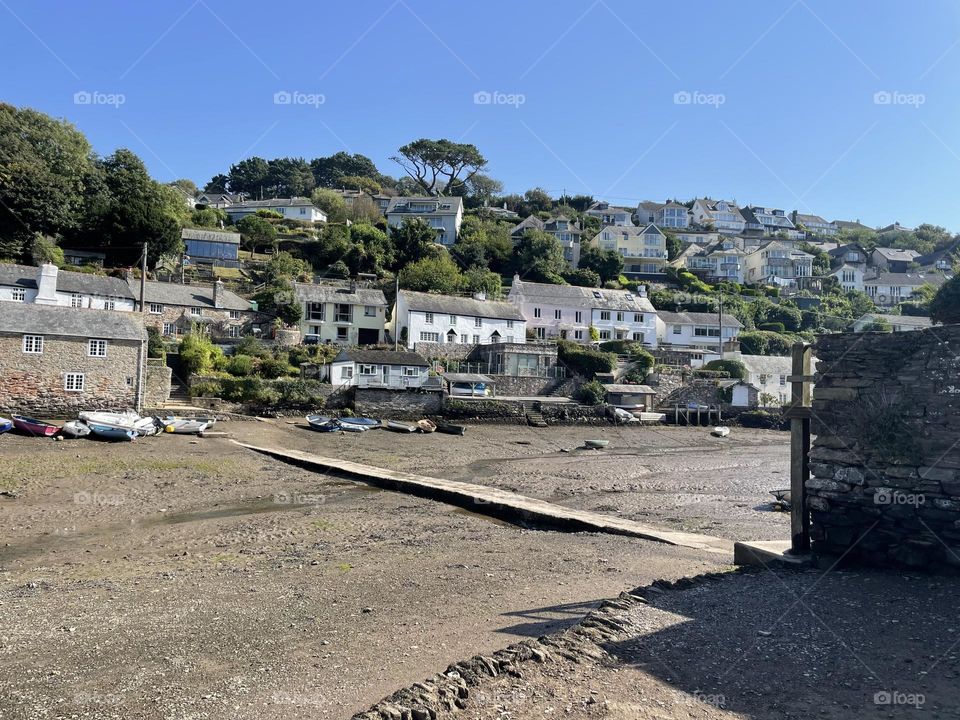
(5, 425)
(32, 426)
(322, 423)
(108, 432)
(720, 431)
(398, 426)
(426, 426)
(451, 429)
(76, 428)
(369, 423)
(184, 426)
(351, 427)
(596, 444)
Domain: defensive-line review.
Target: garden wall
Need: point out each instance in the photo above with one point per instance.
(397, 404)
(885, 464)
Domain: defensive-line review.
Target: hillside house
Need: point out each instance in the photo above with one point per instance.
(48, 285)
(175, 309)
(443, 214)
(449, 319)
(341, 313)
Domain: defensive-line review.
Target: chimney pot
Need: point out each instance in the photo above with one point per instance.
(47, 285)
(218, 294)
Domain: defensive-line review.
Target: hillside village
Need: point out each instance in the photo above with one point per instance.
(480, 294)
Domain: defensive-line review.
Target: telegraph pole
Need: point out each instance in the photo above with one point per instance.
(143, 279)
(720, 318)
(396, 320)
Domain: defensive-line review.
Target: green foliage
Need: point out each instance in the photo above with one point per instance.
(764, 342)
(284, 267)
(274, 367)
(879, 325)
(198, 354)
(608, 264)
(539, 257)
(256, 231)
(333, 171)
(240, 365)
(583, 360)
(45, 250)
(594, 334)
(582, 277)
(432, 274)
(438, 164)
(280, 300)
(359, 182)
(332, 203)
(208, 217)
(772, 327)
(480, 280)
(591, 393)
(252, 346)
(155, 346)
(733, 368)
(413, 240)
(674, 246)
(945, 306)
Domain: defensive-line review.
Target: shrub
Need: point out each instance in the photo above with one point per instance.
(240, 365)
(733, 368)
(252, 346)
(591, 393)
(776, 327)
(273, 368)
(584, 361)
(155, 347)
(764, 342)
(762, 419)
(945, 306)
(643, 361)
(198, 355)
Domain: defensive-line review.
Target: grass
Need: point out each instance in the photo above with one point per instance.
(36, 468)
(344, 567)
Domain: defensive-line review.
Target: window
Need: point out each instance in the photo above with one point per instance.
(33, 344)
(478, 322)
(129, 381)
(783, 379)
(196, 312)
(342, 334)
(19, 294)
(342, 313)
(233, 331)
(316, 311)
(97, 348)
(556, 314)
(453, 319)
(76, 300)
(368, 369)
(706, 332)
(476, 339)
(73, 382)
(638, 317)
(430, 337)
(369, 311)
(156, 309)
(677, 330)
(541, 333)
(111, 303)
(604, 334)
(428, 318)
(604, 314)
(234, 314)
(509, 324)
(303, 211)
(536, 312)
(169, 329)
(411, 371)
(578, 316)
(578, 334)
(619, 317)
(346, 373)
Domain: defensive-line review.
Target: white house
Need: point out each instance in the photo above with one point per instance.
(48, 285)
(568, 312)
(426, 317)
(395, 370)
(769, 375)
(607, 214)
(850, 277)
(769, 221)
(341, 313)
(889, 289)
(643, 249)
(724, 216)
(696, 329)
(722, 260)
(774, 262)
(813, 225)
(671, 215)
(298, 208)
(897, 323)
(443, 214)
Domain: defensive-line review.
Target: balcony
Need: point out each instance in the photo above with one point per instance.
(399, 382)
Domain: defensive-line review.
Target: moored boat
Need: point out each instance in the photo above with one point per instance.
(32, 426)
(720, 431)
(351, 427)
(76, 428)
(398, 426)
(5, 424)
(451, 429)
(426, 426)
(596, 444)
(112, 433)
(184, 425)
(369, 423)
(322, 423)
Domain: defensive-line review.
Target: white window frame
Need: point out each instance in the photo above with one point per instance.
(368, 369)
(478, 322)
(428, 318)
(96, 348)
(110, 303)
(369, 311)
(76, 300)
(411, 371)
(196, 312)
(18, 294)
(429, 336)
(234, 314)
(33, 344)
(557, 314)
(536, 312)
(74, 382)
(605, 315)
(346, 373)
(156, 309)
(169, 329)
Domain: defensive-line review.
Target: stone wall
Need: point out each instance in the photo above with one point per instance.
(34, 384)
(397, 404)
(885, 464)
(524, 386)
(156, 389)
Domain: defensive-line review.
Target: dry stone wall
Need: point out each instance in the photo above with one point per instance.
(885, 463)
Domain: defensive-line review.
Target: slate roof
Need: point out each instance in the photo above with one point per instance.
(381, 357)
(453, 305)
(851, 225)
(768, 364)
(29, 318)
(26, 276)
(231, 238)
(631, 389)
(333, 293)
(186, 295)
(897, 254)
(531, 222)
(446, 205)
(582, 296)
(274, 202)
(906, 279)
(697, 318)
(916, 321)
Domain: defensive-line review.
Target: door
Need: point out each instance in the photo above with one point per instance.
(368, 336)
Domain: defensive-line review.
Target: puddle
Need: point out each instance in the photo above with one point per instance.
(481, 516)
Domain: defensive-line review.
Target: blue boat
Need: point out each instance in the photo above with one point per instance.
(112, 433)
(5, 425)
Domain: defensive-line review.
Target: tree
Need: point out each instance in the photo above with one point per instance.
(439, 164)
(481, 280)
(536, 200)
(256, 231)
(364, 210)
(208, 217)
(280, 300)
(329, 171)
(674, 246)
(582, 277)
(608, 264)
(43, 167)
(332, 203)
(284, 266)
(734, 368)
(359, 182)
(45, 250)
(933, 236)
(477, 192)
(371, 251)
(187, 186)
(470, 252)
(413, 240)
(218, 184)
(289, 177)
(539, 257)
(432, 274)
(249, 176)
(945, 306)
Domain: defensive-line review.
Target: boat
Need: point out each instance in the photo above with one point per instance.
(369, 423)
(147, 426)
(398, 426)
(32, 426)
(426, 426)
(5, 424)
(651, 417)
(124, 419)
(720, 431)
(322, 423)
(351, 427)
(451, 429)
(596, 444)
(75, 428)
(184, 425)
(112, 433)
(781, 499)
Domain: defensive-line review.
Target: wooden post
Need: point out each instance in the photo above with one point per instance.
(799, 450)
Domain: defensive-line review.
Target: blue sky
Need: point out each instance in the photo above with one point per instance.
(771, 102)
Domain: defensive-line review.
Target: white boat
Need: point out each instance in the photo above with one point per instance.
(351, 427)
(651, 417)
(596, 444)
(720, 431)
(76, 428)
(184, 426)
(122, 420)
(398, 426)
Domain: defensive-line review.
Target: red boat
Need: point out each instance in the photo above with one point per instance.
(31, 426)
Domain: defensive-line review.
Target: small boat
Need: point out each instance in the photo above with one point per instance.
(322, 423)
(5, 425)
(184, 426)
(781, 499)
(111, 419)
(112, 433)
(75, 428)
(369, 423)
(451, 429)
(426, 426)
(147, 426)
(398, 426)
(351, 427)
(596, 444)
(651, 417)
(720, 431)
(32, 426)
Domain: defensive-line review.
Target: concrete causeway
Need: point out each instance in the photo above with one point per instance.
(496, 502)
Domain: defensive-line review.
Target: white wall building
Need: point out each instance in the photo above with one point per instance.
(568, 312)
(364, 368)
(644, 250)
(341, 313)
(897, 323)
(774, 262)
(607, 214)
(889, 289)
(696, 329)
(48, 285)
(724, 216)
(850, 277)
(298, 208)
(768, 374)
(443, 214)
(425, 317)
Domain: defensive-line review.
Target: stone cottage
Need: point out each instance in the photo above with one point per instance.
(55, 361)
(175, 309)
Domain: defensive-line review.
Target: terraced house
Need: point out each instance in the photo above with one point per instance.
(443, 214)
(48, 285)
(644, 250)
(722, 215)
(178, 309)
(341, 313)
(448, 319)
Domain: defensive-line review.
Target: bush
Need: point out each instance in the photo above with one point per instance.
(198, 355)
(240, 365)
(764, 342)
(273, 368)
(643, 361)
(155, 346)
(252, 346)
(584, 361)
(733, 368)
(773, 327)
(762, 419)
(620, 347)
(591, 393)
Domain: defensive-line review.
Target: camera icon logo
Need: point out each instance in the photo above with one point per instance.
(282, 97)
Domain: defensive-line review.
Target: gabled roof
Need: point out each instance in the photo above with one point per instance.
(531, 222)
(381, 357)
(652, 229)
(915, 321)
(810, 219)
(896, 254)
(20, 318)
(574, 295)
(843, 249)
(454, 305)
(339, 293)
(444, 205)
(906, 279)
(768, 364)
(551, 224)
(851, 225)
(161, 293)
(697, 318)
(274, 202)
(25, 276)
(230, 238)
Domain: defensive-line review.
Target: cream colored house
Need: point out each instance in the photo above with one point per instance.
(644, 250)
(341, 313)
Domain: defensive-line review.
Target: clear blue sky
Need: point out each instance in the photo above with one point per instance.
(798, 126)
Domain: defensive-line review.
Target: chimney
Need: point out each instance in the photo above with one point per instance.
(47, 285)
(218, 294)
(481, 295)
(353, 286)
(642, 290)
